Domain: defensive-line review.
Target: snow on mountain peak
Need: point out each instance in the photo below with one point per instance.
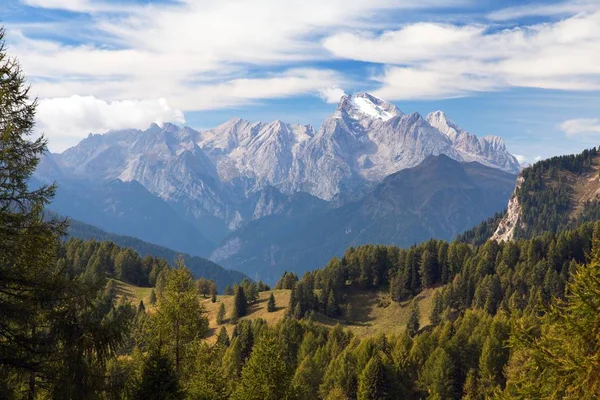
(440, 121)
(365, 104)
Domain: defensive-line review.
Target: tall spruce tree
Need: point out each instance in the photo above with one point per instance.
(271, 306)
(159, 380)
(240, 304)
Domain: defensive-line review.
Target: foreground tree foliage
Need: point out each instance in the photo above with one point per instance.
(560, 358)
(57, 331)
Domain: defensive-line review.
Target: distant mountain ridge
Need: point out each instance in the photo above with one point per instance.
(439, 198)
(206, 185)
(209, 176)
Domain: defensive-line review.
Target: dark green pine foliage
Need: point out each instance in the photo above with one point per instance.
(436, 377)
(27, 242)
(240, 304)
(159, 380)
(58, 327)
(271, 306)
(412, 326)
(287, 281)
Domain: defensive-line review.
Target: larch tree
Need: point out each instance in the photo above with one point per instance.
(265, 376)
(180, 316)
(221, 314)
(372, 382)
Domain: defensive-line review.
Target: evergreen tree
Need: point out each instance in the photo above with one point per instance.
(494, 356)
(471, 388)
(228, 291)
(221, 314)
(435, 317)
(306, 381)
(331, 308)
(412, 326)
(336, 394)
(271, 307)
(265, 376)
(428, 269)
(436, 377)
(45, 309)
(159, 380)
(240, 304)
(141, 307)
(208, 381)
(561, 359)
(372, 383)
(213, 297)
(223, 338)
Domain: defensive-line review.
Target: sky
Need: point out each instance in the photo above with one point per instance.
(526, 71)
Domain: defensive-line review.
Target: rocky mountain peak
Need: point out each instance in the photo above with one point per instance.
(365, 105)
(496, 142)
(440, 121)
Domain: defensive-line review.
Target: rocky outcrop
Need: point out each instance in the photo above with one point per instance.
(508, 224)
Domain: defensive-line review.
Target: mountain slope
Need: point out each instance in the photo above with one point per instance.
(127, 208)
(438, 198)
(552, 195)
(211, 178)
(200, 267)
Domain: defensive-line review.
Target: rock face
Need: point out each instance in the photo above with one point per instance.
(221, 179)
(489, 150)
(506, 228)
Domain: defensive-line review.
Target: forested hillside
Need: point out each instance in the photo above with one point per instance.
(552, 195)
(199, 266)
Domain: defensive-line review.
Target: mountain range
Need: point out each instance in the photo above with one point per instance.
(194, 191)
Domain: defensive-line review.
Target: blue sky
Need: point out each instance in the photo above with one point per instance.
(526, 71)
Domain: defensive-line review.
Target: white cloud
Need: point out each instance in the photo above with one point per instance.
(67, 120)
(198, 54)
(428, 60)
(414, 83)
(81, 6)
(331, 94)
(582, 127)
(540, 9)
